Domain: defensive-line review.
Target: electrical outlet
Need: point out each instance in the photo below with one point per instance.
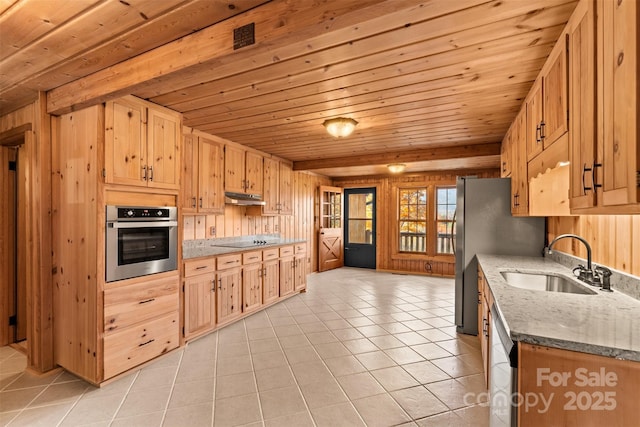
(266, 228)
(212, 231)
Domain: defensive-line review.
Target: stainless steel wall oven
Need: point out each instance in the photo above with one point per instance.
(140, 241)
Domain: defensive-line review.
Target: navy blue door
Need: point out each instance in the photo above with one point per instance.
(360, 227)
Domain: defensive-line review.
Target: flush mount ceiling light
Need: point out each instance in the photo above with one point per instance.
(396, 167)
(340, 126)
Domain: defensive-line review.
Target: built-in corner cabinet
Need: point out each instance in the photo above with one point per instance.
(278, 189)
(142, 144)
(485, 300)
(202, 180)
(243, 170)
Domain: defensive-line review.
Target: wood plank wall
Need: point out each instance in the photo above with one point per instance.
(614, 239)
(240, 221)
(37, 231)
(386, 214)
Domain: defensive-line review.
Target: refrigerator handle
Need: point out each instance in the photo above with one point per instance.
(453, 225)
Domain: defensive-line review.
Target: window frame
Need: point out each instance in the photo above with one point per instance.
(431, 241)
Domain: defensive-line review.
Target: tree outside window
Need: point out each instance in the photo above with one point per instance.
(445, 209)
(412, 220)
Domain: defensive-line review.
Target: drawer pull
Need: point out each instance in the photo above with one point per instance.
(230, 262)
(146, 301)
(145, 343)
(200, 267)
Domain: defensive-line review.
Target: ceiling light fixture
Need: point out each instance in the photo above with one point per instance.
(340, 126)
(396, 167)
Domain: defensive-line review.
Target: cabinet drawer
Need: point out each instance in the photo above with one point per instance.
(286, 251)
(228, 261)
(300, 248)
(251, 257)
(131, 304)
(140, 343)
(268, 254)
(201, 266)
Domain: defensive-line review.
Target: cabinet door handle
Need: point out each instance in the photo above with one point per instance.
(542, 126)
(193, 202)
(213, 288)
(145, 343)
(200, 202)
(146, 301)
(150, 173)
(220, 284)
(585, 169)
(504, 166)
(593, 175)
(538, 133)
(144, 173)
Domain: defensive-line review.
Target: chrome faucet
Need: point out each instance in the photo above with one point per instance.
(585, 274)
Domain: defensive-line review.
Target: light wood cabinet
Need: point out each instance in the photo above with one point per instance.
(243, 171)
(229, 298)
(506, 154)
(271, 275)
(202, 165)
(546, 104)
(277, 187)
(252, 281)
(199, 297)
(484, 322)
(515, 138)
(141, 321)
(142, 144)
(617, 181)
(579, 389)
(286, 276)
(300, 267)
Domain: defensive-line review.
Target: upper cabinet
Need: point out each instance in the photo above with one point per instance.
(242, 171)
(617, 181)
(519, 176)
(546, 104)
(277, 187)
(202, 165)
(604, 148)
(142, 146)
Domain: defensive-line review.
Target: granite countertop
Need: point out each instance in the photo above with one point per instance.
(211, 247)
(607, 323)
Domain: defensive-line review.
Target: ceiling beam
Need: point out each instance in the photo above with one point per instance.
(439, 153)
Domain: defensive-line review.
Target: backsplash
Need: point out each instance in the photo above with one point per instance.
(620, 281)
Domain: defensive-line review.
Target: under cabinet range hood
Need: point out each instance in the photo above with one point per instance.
(241, 199)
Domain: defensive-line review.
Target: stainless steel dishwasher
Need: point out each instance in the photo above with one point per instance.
(503, 375)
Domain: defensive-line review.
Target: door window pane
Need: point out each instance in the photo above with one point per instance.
(361, 218)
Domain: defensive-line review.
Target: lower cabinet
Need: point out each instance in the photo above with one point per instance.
(484, 322)
(140, 321)
(562, 387)
(221, 289)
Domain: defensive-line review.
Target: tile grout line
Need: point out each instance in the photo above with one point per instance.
(173, 384)
(124, 397)
(304, 400)
(24, 408)
(253, 371)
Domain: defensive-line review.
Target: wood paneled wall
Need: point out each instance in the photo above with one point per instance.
(242, 221)
(441, 265)
(35, 124)
(614, 239)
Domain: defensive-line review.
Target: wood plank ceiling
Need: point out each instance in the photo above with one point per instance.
(433, 83)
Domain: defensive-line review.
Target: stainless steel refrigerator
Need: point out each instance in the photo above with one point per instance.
(484, 225)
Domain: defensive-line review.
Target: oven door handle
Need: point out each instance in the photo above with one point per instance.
(157, 224)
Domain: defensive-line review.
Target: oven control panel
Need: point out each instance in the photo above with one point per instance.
(143, 213)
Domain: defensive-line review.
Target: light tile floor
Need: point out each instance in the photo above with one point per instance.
(360, 347)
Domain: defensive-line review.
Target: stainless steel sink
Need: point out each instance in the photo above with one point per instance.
(544, 282)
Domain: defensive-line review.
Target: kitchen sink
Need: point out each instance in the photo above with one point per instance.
(544, 282)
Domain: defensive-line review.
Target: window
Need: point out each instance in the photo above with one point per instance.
(445, 209)
(425, 223)
(412, 217)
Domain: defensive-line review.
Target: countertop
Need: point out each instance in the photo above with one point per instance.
(209, 247)
(607, 323)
